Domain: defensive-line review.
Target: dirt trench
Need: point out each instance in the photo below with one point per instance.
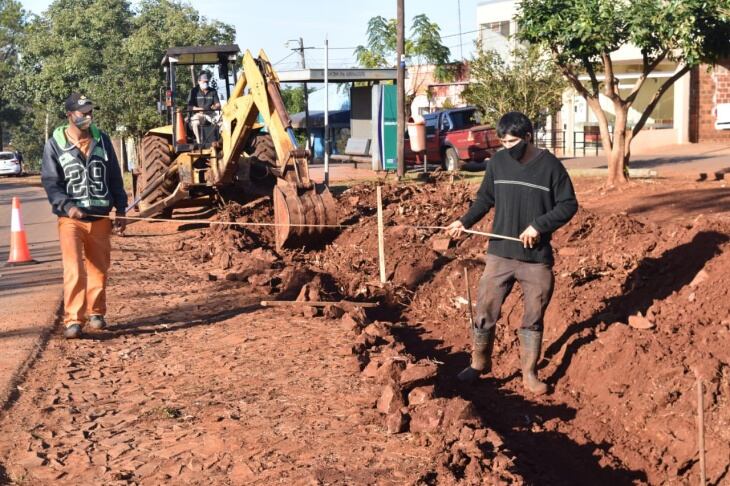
(622, 407)
(195, 380)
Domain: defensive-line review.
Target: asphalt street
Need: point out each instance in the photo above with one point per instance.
(29, 295)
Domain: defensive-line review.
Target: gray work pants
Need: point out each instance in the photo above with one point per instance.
(500, 274)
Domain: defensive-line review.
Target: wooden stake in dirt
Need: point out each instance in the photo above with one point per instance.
(381, 240)
(317, 303)
(468, 296)
(701, 431)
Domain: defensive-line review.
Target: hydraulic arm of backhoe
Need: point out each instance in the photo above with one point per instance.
(300, 207)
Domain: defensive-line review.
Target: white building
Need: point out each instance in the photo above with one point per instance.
(669, 122)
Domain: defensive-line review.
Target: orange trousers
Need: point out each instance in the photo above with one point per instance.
(85, 250)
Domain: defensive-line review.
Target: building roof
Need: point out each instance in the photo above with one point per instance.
(337, 75)
(201, 54)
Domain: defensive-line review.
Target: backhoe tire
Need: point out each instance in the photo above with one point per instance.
(261, 148)
(155, 159)
(262, 158)
(254, 177)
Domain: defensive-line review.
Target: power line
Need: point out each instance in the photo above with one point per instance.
(463, 33)
(285, 58)
(337, 48)
(357, 47)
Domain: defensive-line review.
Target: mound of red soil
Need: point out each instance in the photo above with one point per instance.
(623, 406)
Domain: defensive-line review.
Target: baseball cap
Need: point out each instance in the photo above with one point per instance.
(78, 102)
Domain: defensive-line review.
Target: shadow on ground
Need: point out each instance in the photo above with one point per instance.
(653, 279)
(541, 457)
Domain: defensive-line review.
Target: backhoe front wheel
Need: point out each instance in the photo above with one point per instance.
(155, 160)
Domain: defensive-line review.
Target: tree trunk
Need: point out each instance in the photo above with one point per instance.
(617, 158)
(613, 146)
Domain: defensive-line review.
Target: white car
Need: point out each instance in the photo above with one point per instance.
(9, 164)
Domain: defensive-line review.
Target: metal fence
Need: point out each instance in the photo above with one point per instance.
(553, 140)
(586, 142)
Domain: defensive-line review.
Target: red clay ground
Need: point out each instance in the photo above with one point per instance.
(196, 383)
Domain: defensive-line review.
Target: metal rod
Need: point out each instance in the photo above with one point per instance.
(306, 97)
(152, 186)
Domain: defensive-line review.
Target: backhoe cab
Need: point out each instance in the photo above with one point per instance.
(250, 150)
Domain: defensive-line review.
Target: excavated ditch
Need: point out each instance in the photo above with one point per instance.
(622, 406)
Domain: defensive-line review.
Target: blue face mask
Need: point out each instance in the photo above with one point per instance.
(82, 122)
(203, 85)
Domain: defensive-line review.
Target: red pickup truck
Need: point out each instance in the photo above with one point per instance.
(454, 137)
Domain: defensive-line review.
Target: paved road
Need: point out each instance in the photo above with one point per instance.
(29, 295)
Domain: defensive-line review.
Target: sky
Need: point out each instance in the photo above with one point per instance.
(270, 24)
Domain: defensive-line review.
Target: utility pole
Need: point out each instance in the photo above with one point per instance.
(326, 111)
(461, 42)
(306, 90)
(400, 88)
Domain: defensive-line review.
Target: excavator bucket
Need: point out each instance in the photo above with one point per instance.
(301, 215)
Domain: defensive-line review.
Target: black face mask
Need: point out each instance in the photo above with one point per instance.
(517, 151)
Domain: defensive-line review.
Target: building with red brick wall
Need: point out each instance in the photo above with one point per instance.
(710, 89)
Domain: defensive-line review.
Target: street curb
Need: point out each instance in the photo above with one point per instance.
(11, 393)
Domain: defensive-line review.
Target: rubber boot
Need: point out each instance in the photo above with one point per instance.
(97, 322)
(481, 356)
(72, 331)
(530, 344)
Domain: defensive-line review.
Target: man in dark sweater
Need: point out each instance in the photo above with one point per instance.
(533, 196)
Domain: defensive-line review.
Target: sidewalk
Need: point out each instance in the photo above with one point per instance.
(671, 160)
(690, 159)
(29, 295)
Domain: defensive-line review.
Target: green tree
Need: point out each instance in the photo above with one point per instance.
(293, 97)
(28, 138)
(12, 24)
(108, 51)
(528, 82)
(70, 48)
(423, 47)
(159, 25)
(582, 36)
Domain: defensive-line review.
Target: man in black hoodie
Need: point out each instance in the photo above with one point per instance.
(83, 181)
(533, 196)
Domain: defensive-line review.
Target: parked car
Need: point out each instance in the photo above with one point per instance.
(455, 137)
(9, 164)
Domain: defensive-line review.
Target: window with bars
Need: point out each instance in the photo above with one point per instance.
(502, 28)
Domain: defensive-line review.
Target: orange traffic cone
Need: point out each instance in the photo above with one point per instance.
(181, 136)
(19, 252)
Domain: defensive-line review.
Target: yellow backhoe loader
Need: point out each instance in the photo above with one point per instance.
(247, 149)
